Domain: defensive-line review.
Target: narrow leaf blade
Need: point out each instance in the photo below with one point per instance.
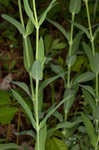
(15, 23)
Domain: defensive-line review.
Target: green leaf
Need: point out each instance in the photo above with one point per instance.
(58, 115)
(29, 27)
(28, 53)
(25, 107)
(89, 99)
(94, 63)
(57, 69)
(56, 44)
(4, 98)
(43, 17)
(27, 132)
(23, 86)
(71, 60)
(68, 104)
(9, 146)
(96, 113)
(87, 50)
(55, 144)
(90, 129)
(43, 85)
(89, 89)
(41, 56)
(7, 114)
(48, 81)
(47, 42)
(15, 23)
(75, 6)
(54, 109)
(62, 125)
(42, 138)
(37, 71)
(60, 28)
(84, 77)
(76, 42)
(29, 12)
(96, 32)
(82, 28)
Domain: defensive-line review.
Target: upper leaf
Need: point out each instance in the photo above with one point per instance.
(43, 17)
(29, 11)
(75, 6)
(29, 27)
(60, 28)
(25, 107)
(84, 77)
(15, 23)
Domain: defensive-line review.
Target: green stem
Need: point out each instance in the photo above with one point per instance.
(90, 28)
(32, 88)
(35, 12)
(70, 50)
(37, 113)
(20, 12)
(37, 43)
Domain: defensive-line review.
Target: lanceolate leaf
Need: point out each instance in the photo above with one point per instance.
(82, 28)
(71, 60)
(87, 50)
(94, 63)
(89, 89)
(54, 109)
(46, 11)
(25, 107)
(23, 86)
(15, 23)
(89, 99)
(84, 77)
(75, 6)
(96, 32)
(90, 129)
(29, 11)
(41, 56)
(28, 53)
(60, 28)
(76, 42)
(66, 125)
(29, 27)
(50, 80)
